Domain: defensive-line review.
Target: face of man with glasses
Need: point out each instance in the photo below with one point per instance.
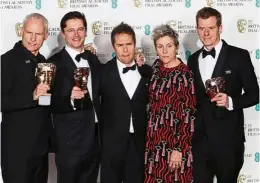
(209, 32)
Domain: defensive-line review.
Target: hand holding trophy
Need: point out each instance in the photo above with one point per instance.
(215, 86)
(44, 73)
(81, 80)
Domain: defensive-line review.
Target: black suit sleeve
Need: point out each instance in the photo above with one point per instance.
(61, 92)
(250, 86)
(13, 98)
(145, 71)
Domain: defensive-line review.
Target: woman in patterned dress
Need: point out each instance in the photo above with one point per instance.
(171, 117)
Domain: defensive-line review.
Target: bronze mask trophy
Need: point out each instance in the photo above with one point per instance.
(215, 86)
(45, 73)
(81, 80)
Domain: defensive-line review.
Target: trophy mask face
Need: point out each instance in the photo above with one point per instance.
(81, 77)
(74, 34)
(33, 35)
(45, 73)
(209, 32)
(125, 48)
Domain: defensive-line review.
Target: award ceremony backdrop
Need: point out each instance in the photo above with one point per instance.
(241, 27)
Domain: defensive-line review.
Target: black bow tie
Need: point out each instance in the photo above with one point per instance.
(126, 69)
(212, 52)
(81, 55)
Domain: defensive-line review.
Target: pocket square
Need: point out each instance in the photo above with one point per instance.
(27, 61)
(228, 72)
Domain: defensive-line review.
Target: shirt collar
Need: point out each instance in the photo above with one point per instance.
(73, 53)
(121, 65)
(217, 47)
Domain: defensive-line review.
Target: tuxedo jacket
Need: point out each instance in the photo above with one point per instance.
(219, 125)
(117, 107)
(68, 122)
(25, 124)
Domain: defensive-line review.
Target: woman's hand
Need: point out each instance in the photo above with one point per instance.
(175, 160)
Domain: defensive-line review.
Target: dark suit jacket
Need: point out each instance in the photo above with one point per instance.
(25, 124)
(220, 126)
(116, 108)
(69, 122)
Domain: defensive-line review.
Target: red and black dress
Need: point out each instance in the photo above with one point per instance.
(170, 123)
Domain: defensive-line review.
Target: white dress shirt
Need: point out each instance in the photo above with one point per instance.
(82, 63)
(130, 81)
(207, 65)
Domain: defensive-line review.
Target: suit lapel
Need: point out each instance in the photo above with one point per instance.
(69, 63)
(220, 62)
(117, 79)
(94, 73)
(139, 86)
(28, 61)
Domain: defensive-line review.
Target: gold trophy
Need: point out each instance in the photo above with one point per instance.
(45, 73)
(215, 86)
(81, 80)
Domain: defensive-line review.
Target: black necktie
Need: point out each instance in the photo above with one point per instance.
(126, 69)
(212, 52)
(79, 56)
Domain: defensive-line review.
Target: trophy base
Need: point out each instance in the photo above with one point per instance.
(44, 100)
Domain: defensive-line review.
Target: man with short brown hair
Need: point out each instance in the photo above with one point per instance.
(218, 140)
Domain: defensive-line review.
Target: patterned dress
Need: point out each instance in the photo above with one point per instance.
(170, 123)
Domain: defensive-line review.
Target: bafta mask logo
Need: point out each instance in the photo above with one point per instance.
(18, 29)
(210, 3)
(97, 27)
(241, 179)
(172, 24)
(62, 3)
(241, 25)
(138, 3)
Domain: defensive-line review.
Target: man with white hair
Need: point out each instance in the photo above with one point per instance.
(25, 130)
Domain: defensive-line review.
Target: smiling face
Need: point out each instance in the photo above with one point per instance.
(125, 48)
(33, 35)
(166, 49)
(74, 34)
(209, 32)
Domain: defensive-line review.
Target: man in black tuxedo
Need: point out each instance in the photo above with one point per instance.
(26, 126)
(75, 110)
(124, 95)
(218, 142)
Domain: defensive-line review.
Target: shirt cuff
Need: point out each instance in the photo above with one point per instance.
(230, 102)
(72, 103)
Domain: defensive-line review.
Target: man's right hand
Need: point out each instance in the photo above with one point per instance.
(41, 89)
(77, 93)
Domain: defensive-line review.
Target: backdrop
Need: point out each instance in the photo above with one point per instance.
(241, 27)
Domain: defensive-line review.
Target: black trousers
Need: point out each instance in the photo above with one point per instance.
(126, 169)
(24, 151)
(225, 162)
(80, 167)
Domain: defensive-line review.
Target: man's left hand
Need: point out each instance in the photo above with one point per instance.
(221, 100)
